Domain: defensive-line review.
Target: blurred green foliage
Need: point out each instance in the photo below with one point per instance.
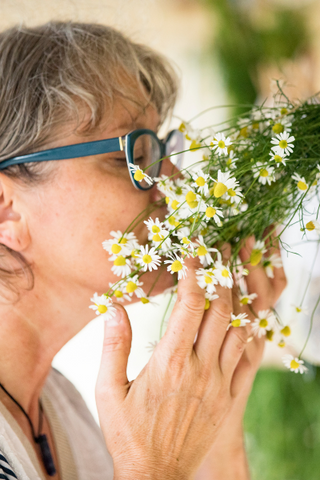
(241, 44)
(282, 425)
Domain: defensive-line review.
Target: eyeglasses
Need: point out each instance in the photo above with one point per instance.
(142, 148)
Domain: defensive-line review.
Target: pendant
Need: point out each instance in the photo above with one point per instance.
(46, 455)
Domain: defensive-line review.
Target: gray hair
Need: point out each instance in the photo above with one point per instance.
(51, 73)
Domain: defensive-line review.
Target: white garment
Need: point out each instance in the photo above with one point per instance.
(81, 450)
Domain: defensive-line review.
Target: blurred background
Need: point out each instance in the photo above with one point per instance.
(227, 52)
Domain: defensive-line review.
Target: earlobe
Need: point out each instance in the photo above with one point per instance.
(14, 233)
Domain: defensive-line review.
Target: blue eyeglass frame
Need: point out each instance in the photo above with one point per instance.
(108, 145)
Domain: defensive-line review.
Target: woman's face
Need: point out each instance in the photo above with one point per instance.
(69, 217)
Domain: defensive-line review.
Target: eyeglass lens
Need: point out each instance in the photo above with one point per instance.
(146, 151)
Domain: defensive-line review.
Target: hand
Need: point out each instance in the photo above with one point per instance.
(164, 423)
(227, 458)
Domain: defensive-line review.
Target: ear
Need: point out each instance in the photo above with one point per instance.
(14, 232)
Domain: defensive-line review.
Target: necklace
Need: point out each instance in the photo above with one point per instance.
(41, 439)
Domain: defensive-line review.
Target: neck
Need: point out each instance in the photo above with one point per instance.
(33, 330)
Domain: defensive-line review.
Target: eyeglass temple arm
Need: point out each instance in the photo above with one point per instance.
(71, 151)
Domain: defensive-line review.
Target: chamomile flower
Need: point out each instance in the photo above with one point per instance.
(176, 265)
(149, 259)
(279, 159)
(206, 279)
(223, 275)
(263, 323)
(231, 160)
(247, 299)
(145, 299)
(215, 213)
(264, 173)
(119, 292)
(234, 195)
(203, 252)
(294, 364)
(300, 309)
(220, 144)
(283, 143)
(313, 225)
(120, 244)
(269, 264)
(121, 266)
(301, 182)
(282, 125)
(133, 286)
(152, 346)
(223, 184)
(103, 306)
(164, 184)
(209, 297)
(201, 182)
(258, 250)
(158, 234)
(139, 174)
(240, 320)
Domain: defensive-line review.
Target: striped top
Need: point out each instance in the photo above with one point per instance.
(80, 446)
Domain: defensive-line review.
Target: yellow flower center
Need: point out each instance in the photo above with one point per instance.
(231, 193)
(221, 144)
(191, 199)
(147, 259)
(144, 300)
(264, 172)
(134, 254)
(139, 175)
(182, 127)
(229, 162)
(236, 322)
(102, 308)
(210, 212)
(185, 240)
(225, 273)
(298, 309)
(131, 287)
(195, 145)
(310, 226)
(278, 128)
(294, 364)
(176, 266)
(263, 323)
(207, 304)
(286, 331)
(204, 231)
(269, 335)
(219, 189)
(255, 257)
(282, 343)
(174, 204)
(244, 132)
(277, 159)
(155, 229)
(284, 111)
(116, 248)
(120, 261)
(244, 301)
(167, 200)
(302, 185)
(179, 191)
(207, 279)
(118, 294)
(157, 237)
(200, 181)
(202, 251)
(283, 144)
(123, 240)
(172, 220)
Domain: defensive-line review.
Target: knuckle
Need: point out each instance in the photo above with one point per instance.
(223, 309)
(193, 302)
(240, 338)
(111, 344)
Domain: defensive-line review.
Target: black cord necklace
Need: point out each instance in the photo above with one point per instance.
(41, 439)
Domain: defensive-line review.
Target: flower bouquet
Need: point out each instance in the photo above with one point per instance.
(258, 172)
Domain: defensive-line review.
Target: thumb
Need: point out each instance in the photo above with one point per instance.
(112, 381)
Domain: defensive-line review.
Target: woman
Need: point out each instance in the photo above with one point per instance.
(64, 84)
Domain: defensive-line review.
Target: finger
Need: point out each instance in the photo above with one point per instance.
(216, 319)
(187, 314)
(112, 379)
(232, 350)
